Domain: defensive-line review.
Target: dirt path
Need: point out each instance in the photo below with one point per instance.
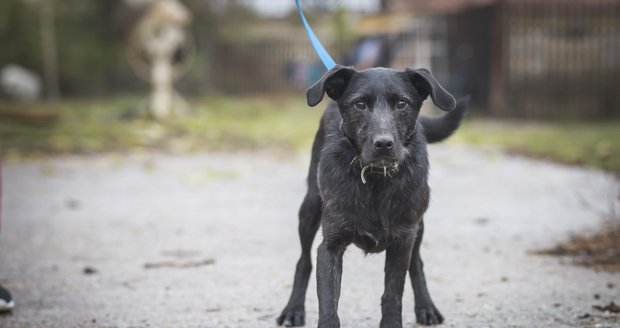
(210, 241)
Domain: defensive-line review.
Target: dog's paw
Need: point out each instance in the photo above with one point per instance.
(428, 315)
(396, 323)
(292, 318)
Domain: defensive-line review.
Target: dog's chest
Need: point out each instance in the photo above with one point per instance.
(380, 218)
(371, 213)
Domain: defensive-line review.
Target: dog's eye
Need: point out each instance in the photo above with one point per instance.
(401, 104)
(360, 105)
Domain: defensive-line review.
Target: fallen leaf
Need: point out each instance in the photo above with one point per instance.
(611, 307)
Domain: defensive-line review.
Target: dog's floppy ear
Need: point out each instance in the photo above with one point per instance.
(426, 83)
(333, 83)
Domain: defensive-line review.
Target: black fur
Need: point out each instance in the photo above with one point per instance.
(367, 185)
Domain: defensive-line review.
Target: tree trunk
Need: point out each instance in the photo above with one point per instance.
(48, 45)
(385, 5)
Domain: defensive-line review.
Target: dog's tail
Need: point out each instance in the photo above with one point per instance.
(439, 128)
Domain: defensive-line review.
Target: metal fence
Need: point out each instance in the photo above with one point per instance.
(561, 58)
(266, 65)
(542, 59)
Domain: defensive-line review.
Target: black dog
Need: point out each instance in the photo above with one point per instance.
(367, 185)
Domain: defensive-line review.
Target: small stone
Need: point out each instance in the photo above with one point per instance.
(72, 204)
(89, 270)
(584, 316)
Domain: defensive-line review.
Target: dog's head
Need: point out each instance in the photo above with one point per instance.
(379, 108)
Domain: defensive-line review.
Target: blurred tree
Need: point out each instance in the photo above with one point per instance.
(48, 45)
(19, 34)
(87, 48)
(90, 41)
(384, 5)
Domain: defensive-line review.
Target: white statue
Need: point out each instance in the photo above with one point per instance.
(157, 37)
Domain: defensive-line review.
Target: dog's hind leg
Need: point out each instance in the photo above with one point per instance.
(293, 314)
(425, 311)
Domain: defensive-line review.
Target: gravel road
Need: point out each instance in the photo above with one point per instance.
(209, 240)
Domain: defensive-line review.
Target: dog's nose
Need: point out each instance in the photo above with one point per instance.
(383, 142)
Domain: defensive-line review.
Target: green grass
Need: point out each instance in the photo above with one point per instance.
(593, 144)
(281, 124)
(217, 123)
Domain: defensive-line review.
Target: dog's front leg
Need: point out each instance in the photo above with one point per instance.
(329, 273)
(397, 257)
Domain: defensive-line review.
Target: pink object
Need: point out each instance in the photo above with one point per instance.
(0, 193)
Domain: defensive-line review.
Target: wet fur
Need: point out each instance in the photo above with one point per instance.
(358, 203)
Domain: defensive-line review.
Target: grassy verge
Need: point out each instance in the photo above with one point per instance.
(217, 123)
(272, 123)
(592, 144)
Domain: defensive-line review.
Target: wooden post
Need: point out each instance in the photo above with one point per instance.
(497, 82)
(385, 5)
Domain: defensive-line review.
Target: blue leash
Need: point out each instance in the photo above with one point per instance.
(316, 44)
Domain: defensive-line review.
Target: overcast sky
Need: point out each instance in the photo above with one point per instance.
(282, 7)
